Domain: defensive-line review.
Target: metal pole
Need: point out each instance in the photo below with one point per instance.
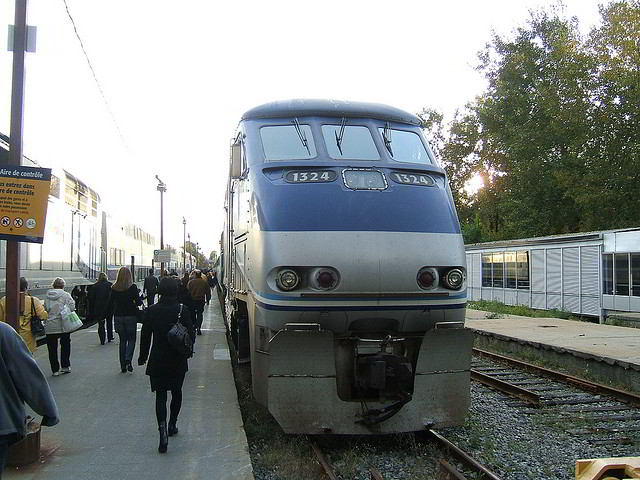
(190, 248)
(161, 230)
(184, 245)
(12, 284)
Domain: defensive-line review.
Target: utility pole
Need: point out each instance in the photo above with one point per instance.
(161, 188)
(184, 245)
(190, 249)
(12, 284)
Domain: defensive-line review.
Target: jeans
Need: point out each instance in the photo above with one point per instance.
(126, 328)
(65, 350)
(198, 308)
(101, 333)
(151, 299)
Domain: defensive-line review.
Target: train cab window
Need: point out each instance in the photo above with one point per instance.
(405, 146)
(352, 142)
(287, 142)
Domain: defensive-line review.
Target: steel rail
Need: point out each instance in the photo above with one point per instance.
(513, 390)
(449, 472)
(463, 456)
(621, 395)
(322, 460)
(375, 474)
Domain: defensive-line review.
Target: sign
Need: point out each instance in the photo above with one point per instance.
(24, 195)
(162, 256)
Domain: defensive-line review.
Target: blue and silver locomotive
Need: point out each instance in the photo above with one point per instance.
(344, 270)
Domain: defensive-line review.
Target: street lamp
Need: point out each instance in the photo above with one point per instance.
(184, 246)
(197, 252)
(190, 262)
(161, 188)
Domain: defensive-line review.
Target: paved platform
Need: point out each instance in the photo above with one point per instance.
(108, 428)
(608, 351)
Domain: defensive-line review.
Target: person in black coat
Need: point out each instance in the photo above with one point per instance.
(99, 296)
(150, 288)
(167, 367)
(125, 300)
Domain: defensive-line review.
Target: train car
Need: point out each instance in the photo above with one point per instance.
(80, 238)
(344, 270)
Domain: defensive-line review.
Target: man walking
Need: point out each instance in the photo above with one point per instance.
(21, 381)
(200, 292)
(150, 288)
(99, 296)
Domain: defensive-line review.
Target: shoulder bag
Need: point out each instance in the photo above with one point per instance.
(179, 338)
(37, 327)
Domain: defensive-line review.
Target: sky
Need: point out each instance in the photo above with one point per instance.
(178, 75)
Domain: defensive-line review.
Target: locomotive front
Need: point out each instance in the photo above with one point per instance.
(349, 270)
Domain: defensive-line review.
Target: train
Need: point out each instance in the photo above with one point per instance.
(343, 270)
(81, 238)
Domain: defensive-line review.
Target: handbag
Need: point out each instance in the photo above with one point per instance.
(70, 320)
(179, 338)
(37, 327)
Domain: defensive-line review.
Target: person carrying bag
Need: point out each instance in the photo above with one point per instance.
(32, 313)
(167, 364)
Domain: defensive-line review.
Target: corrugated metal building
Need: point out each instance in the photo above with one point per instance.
(584, 273)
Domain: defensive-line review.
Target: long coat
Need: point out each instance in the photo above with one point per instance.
(55, 300)
(99, 298)
(164, 361)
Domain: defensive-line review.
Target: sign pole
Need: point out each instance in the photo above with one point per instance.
(15, 155)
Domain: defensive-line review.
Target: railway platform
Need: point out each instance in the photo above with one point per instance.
(107, 423)
(605, 353)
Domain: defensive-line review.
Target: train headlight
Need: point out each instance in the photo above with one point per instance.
(324, 279)
(454, 278)
(287, 279)
(427, 278)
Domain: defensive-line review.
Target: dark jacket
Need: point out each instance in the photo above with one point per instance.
(150, 285)
(125, 304)
(199, 289)
(99, 297)
(21, 381)
(164, 361)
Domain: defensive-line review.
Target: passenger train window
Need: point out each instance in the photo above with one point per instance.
(352, 142)
(406, 147)
(284, 142)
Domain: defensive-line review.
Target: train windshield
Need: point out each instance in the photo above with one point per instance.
(352, 142)
(288, 142)
(405, 146)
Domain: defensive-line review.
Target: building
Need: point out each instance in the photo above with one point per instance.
(593, 273)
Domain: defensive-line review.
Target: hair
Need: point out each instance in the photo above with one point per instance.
(102, 276)
(168, 287)
(23, 284)
(185, 279)
(58, 283)
(151, 271)
(124, 280)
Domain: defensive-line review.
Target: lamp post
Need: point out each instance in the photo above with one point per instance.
(184, 245)
(190, 263)
(161, 188)
(197, 252)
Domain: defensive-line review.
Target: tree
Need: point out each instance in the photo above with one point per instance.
(556, 132)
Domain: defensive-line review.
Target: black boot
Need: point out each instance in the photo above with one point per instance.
(173, 428)
(164, 439)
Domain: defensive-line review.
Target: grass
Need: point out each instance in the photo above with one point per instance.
(497, 308)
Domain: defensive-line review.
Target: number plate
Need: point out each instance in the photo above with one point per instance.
(311, 176)
(412, 179)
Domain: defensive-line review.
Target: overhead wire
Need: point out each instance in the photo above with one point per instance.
(95, 77)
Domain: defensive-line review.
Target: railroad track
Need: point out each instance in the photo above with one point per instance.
(447, 470)
(598, 413)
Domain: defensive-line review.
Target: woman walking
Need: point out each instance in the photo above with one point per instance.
(167, 367)
(28, 306)
(124, 303)
(55, 300)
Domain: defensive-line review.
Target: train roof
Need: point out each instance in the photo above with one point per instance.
(330, 108)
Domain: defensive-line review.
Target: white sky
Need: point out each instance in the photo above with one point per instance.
(179, 74)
